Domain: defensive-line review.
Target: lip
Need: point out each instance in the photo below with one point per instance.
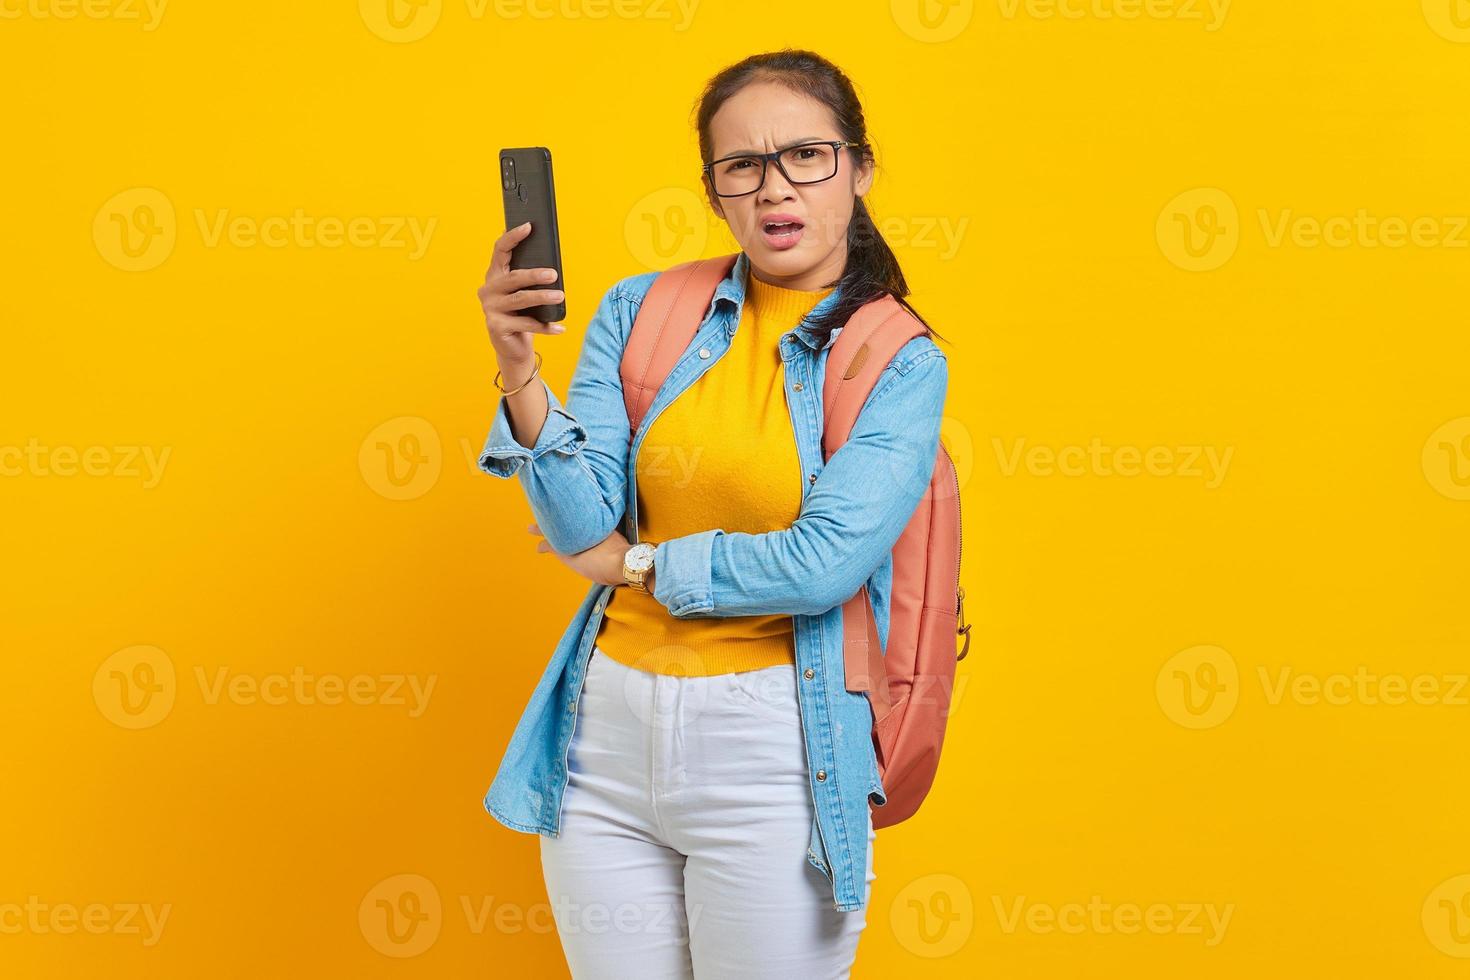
(782, 241)
(780, 216)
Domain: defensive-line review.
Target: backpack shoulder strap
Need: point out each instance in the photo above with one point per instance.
(668, 318)
(867, 343)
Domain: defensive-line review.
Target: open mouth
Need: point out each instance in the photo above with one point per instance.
(782, 232)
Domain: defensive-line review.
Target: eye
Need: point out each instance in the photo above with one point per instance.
(734, 165)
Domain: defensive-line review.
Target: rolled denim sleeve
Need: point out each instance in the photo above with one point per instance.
(853, 516)
(503, 456)
(575, 477)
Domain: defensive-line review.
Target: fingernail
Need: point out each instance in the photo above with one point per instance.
(558, 328)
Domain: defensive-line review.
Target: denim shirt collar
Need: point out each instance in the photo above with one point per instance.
(732, 289)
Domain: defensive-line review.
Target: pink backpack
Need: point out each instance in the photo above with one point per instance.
(909, 687)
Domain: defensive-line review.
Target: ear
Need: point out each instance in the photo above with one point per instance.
(864, 179)
(713, 198)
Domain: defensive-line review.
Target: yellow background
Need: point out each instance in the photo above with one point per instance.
(1064, 157)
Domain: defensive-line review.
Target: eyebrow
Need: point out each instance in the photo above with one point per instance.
(786, 146)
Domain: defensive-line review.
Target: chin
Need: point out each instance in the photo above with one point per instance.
(782, 261)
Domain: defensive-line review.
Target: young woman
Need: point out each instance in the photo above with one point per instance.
(697, 772)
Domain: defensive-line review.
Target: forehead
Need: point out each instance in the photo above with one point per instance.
(764, 115)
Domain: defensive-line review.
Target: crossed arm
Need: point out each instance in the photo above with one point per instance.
(575, 479)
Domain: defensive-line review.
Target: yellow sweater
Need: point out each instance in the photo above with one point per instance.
(721, 455)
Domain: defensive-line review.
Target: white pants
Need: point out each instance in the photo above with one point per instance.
(684, 833)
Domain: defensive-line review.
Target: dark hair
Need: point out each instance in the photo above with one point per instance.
(871, 269)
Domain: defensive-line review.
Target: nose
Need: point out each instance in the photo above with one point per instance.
(775, 187)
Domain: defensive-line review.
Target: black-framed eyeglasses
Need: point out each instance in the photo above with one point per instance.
(805, 163)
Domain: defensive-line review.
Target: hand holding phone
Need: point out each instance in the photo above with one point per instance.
(507, 292)
(529, 194)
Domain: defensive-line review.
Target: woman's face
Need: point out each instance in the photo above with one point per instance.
(767, 116)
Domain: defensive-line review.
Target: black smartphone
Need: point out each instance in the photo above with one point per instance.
(530, 195)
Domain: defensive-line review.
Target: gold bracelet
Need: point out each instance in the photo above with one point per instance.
(523, 383)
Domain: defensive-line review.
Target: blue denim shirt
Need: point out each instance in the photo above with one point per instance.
(579, 479)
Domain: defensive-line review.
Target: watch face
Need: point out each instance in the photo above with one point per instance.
(639, 557)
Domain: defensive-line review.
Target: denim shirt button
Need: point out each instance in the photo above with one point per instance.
(704, 353)
(796, 387)
(812, 478)
(809, 673)
(821, 775)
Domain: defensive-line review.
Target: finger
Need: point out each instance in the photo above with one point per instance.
(508, 240)
(499, 282)
(505, 280)
(500, 257)
(523, 298)
(534, 528)
(529, 324)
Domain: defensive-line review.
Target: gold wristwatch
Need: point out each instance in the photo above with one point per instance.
(637, 563)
